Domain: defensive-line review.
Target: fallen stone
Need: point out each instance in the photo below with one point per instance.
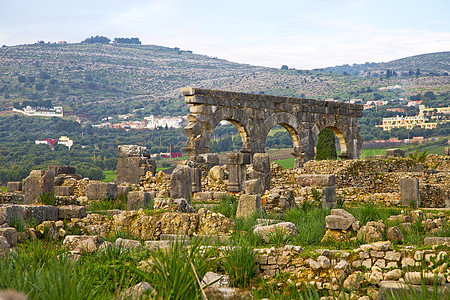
(71, 211)
(10, 234)
(402, 290)
(138, 199)
(369, 234)
(393, 275)
(40, 213)
(129, 245)
(394, 234)
(12, 295)
(426, 278)
(248, 205)
(215, 280)
(288, 228)
(339, 219)
(89, 243)
(11, 212)
(436, 240)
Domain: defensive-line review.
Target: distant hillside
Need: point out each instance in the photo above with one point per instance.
(432, 63)
(96, 80)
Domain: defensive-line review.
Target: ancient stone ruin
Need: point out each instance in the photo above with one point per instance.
(255, 115)
(133, 163)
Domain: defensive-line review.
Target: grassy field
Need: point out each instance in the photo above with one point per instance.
(109, 176)
(287, 163)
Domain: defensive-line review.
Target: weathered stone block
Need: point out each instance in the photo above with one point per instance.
(9, 212)
(409, 191)
(68, 170)
(321, 180)
(14, 186)
(339, 219)
(131, 150)
(123, 190)
(236, 172)
(40, 213)
(71, 211)
(329, 196)
(10, 233)
(37, 182)
(196, 180)
(101, 191)
(138, 199)
(252, 187)
(63, 190)
(248, 205)
(89, 243)
(395, 153)
(265, 232)
(181, 183)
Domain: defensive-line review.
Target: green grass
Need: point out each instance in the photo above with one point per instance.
(287, 163)
(3, 189)
(109, 176)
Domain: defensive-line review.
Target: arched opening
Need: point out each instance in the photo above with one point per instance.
(225, 137)
(279, 145)
(329, 144)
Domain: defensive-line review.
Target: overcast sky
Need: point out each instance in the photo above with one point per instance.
(302, 34)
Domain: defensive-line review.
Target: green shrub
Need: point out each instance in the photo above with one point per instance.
(227, 206)
(240, 263)
(310, 224)
(175, 271)
(19, 224)
(278, 237)
(47, 198)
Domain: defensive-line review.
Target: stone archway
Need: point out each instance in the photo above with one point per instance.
(254, 115)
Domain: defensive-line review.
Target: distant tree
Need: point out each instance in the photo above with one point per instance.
(44, 75)
(21, 78)
(326, 147)
(418, 72)
(284, 67)
(97, 40)
(133, 41)
(40, 86)
(430, 95)
(388, 73)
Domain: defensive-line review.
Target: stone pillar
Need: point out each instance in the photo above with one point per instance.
(181, 183)
(326, 182)
(133, 163)
(236, 172)
(196, 180)
(409, 192)
(37, 182)
(261, 171)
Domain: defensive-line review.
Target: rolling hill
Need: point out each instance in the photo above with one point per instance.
(99, 80)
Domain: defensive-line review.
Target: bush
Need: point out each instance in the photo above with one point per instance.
(240, 263)
(227, 206)
(176, 270)
(47, 198)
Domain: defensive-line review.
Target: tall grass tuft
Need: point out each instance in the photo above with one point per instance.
(101, 205)
(240, 263)
(47, 198)
(175, 271)
(227, 206)
(40, 273)
(310, 224)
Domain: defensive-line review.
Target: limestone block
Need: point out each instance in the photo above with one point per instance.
(216, 174)
(321, 180)
(14, 186)
(89, 243)
(71, 211)
(265, 232)
(329, 198)
(394, 234)
(248, 205)
(123, 190)
(181, 183)
(68, 170)
(9, 212)
(37, 182)
(101, 191)
(252, 187)
(10, 234)
(339, 219)
(40, 213)
(409, 191)
(236, 172)
(435, 240)
(63, 190)
(395, 153)
(138, 199)
(128, 244)
(131, 150)
(196, 177)
(12, 295)
(427, 278)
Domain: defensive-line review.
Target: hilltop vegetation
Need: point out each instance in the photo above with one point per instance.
(98, 80)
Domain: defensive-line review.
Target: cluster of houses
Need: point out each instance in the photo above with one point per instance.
(63, 140)
(56, 111)
(150, 122)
